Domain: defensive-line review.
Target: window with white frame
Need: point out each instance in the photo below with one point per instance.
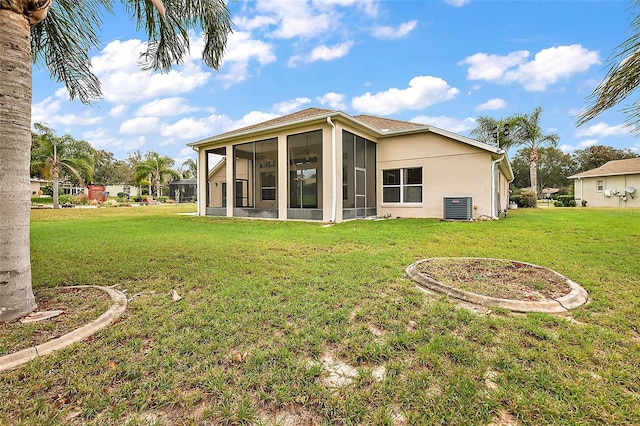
(402, 185)
(599, 185)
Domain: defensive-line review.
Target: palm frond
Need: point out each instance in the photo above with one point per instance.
(169, 33)
(622, 78)
(62, 41)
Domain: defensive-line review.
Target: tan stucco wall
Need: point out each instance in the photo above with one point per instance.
(585, 189)
(450, 169)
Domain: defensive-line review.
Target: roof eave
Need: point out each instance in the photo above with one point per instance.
(580, 176)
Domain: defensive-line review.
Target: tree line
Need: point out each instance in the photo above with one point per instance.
(66, 159)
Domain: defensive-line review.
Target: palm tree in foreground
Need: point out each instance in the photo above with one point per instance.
(54, 155)
(59, 36)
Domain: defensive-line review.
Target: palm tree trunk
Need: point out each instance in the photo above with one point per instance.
(533, 171)
(16, 294)
(56, 189)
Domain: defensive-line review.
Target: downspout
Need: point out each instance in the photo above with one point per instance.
(334, 162)
(494, 215)
(198, 197)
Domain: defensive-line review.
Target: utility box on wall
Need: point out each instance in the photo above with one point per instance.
(458, 208)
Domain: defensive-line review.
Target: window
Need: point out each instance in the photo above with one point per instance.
(402, 185)
(268, 180)
(599, 185)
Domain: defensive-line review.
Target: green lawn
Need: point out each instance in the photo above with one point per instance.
(265, 303)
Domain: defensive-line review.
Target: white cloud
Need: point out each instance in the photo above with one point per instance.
(165, 107)
(323, 53)
(290, 106)
(547, 67)
(124, 82)
(328, 53)
(139, 125)
(492, 104)
(102, 139)
(604, 130)
(386, 32)
(370, 7)
(118, 111)
(457, 3)
(447, 123)
(492, 67)
(295, 18)
(191, 128)
(422, 92)
(240, 51)
(333, 100)
(253, 117)
(46, 112)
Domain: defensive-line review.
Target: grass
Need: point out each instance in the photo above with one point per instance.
(265, 302)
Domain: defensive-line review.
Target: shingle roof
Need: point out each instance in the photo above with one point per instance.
(614, 167)
(289, 118)
(387, 124)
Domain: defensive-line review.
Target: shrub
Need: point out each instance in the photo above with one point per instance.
(584, 203)
(565, 201)
(78, 200)
(523, 198)
(162, 199)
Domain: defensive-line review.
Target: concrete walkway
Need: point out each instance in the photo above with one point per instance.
(117, 308)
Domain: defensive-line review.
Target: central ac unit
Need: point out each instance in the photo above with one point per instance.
(458, 208)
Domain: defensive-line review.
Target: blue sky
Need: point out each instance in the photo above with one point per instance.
(442, 63)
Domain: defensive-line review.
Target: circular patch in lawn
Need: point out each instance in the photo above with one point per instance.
(517, 286)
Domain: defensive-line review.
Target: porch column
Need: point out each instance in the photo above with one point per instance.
(231, 186)
(283, 178)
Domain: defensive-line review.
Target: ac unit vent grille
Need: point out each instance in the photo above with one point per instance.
(458, 208)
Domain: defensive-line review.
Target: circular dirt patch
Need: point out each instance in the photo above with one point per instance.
(518, 286)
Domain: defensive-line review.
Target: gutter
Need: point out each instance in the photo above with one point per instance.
(198, 197)
(494, 165)
(334, 161)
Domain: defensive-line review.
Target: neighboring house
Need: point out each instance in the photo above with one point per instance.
(38, 185)
(325, 165)
(114, 190)
(615, 184)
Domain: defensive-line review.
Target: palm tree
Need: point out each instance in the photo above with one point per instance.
(54, 155)
(622, 79)
(526, 131)
(494, 132)
(59, 36)
(189, 169)
(156, 170)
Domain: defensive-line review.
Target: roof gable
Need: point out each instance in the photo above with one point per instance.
(615, 167)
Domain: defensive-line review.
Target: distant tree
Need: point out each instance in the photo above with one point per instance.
(553, 168)
(526, 131)
(622, 78)
(495, 131)
(597, 155)
(155, 170)
(189, 169)
(55, 155)
(110, 171)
